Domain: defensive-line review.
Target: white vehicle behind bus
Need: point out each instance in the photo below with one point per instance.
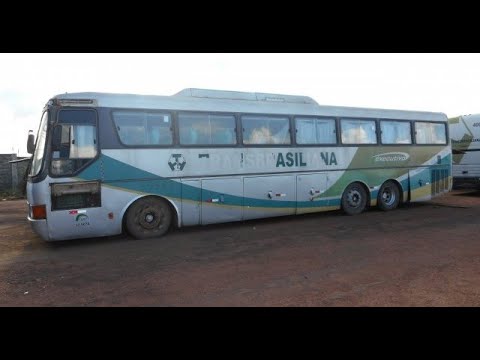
(465, 136)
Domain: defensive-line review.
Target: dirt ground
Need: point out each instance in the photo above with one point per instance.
(418, 255)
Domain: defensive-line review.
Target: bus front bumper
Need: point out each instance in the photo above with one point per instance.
(39, 227)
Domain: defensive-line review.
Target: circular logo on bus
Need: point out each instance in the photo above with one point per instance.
(177, 162)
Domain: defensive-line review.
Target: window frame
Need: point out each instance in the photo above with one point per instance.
(412, 135)
(148, 146)
(289, 121)
(314, 117)
(215, 113)
(340, 131)
(445, 126)
(292, 129)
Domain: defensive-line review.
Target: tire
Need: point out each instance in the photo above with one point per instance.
(354, 199)
(388, 196)
(148, 217)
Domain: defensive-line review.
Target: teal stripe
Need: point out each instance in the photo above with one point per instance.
(122, 175)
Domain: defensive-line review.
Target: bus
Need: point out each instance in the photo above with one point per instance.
(106, 163)
(465, 139)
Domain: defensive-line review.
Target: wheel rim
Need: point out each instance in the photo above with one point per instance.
(149, 218)
(354, 198)
(388, 196)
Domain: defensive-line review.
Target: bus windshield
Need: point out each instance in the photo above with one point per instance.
(40, 146)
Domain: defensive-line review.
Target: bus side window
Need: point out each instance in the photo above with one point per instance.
(158, 129)
(440, 136)
(260, 136)
(228, 137)
(193, 136)
(282, 136)
(222, 137)
(159, 136)
(154, 136)
(315, 130)
(206, 129)
(188, 136)
(392, 132)
(430, 133)
(222, 129)
(357, 131)
(264, 130)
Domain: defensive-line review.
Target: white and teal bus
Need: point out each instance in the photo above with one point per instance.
(105, 163)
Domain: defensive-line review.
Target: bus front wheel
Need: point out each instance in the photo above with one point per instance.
(354, 199)
(148, 217)
(388, 196)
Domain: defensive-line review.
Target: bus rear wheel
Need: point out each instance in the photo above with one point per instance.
(354, 199)
(388, 196)
(148, 217)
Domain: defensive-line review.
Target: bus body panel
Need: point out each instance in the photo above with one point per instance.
(266, 196)
(310, 188)
(37, 195)
(420, 184)
(191, 202)
(222, 200)
(251, 201)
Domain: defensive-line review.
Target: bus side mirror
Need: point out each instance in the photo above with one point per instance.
(30, 142)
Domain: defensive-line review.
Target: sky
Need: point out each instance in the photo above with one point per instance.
(448, 83)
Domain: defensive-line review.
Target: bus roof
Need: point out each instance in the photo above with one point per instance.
(192, 99)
